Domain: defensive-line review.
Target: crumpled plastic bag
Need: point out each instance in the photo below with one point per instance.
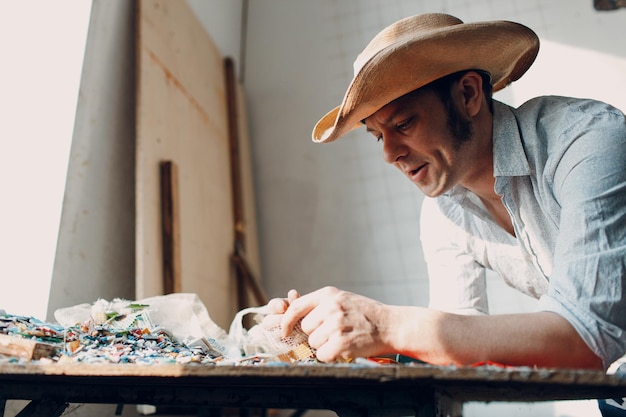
(182, 314)
(186, 318)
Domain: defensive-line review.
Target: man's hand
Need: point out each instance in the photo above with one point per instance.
(341, 325)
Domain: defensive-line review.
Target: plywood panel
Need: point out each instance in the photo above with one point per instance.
(182, 117)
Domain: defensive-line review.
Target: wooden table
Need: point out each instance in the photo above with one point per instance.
(348, 389)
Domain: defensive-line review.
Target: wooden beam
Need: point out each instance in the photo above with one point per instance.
(170, 227)
(235, 160)
(246, 279)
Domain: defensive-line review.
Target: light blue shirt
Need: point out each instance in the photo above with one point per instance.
(560, 167)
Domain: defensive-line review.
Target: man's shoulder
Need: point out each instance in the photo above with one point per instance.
(551, 104)
(545, 118)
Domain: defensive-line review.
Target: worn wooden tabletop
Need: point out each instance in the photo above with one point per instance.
(484, 383)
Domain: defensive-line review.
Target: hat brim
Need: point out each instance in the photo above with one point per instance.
(503, 49)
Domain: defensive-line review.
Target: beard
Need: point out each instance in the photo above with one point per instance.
(460, 127)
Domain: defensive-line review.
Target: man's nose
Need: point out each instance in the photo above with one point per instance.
(393, 149)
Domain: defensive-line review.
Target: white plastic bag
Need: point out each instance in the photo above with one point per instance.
(185, 317)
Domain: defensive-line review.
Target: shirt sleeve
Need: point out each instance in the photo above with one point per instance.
(457, 283)
(588, 282)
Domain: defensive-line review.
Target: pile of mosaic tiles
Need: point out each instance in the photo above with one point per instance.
(111, 337)
(123, 331)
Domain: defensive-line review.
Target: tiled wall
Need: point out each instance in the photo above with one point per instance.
(336, 213)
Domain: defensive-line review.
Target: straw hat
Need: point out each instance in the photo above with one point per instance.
(417, 50)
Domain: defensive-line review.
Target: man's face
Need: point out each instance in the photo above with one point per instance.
(426, 141)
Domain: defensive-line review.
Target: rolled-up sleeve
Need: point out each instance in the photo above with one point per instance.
(587, 284)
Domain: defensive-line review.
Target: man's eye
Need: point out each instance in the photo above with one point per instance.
(403, 125)
(378, 136)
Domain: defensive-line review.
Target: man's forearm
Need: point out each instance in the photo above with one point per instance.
(542, 339)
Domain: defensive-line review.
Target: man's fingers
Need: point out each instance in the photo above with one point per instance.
(292, 295)
(271, 321)
(277, 305)
(299, 308)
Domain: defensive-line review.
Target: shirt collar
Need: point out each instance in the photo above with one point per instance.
(509, 157)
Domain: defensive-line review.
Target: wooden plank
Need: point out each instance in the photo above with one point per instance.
(249, 291)
(25, 348)
(252, 248)
(182, 117)
(234, 145)
(170, 227)
(249, 287)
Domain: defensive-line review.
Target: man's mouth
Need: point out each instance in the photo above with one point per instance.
(414, 172)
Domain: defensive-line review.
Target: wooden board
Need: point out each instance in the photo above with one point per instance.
(25, 348)
(249, 291)
(253, 255)
(182, 118)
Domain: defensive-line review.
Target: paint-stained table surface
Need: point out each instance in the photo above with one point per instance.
(348, 389)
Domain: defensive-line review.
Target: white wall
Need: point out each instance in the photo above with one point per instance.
(336, 214)
(222, 19)
(42, 46)
(95, 250)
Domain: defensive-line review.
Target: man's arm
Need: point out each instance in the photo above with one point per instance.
(343, 325)
(541, 339)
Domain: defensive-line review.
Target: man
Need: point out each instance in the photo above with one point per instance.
(536, 194)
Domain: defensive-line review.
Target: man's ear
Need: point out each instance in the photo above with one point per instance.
(471, 84)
